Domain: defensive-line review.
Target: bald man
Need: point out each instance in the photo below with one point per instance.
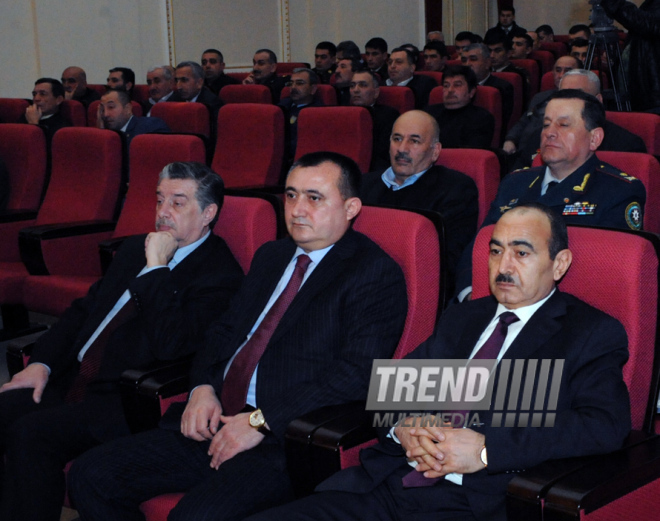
(74, 80)
(414, 181)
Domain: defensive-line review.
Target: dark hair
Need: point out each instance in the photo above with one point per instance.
(351, 177)
(409, 54)
(126, 74)
(123, 96)
(579, 27)
(311, 75)
(55, 85)
(558, 233)
(461, 70)
(523, 34)
(545, 28)
(414, 49)
(578, 42)
(356, 64)
(328, 46)
(467, 35)
(376, 43)
(196, 68)
(495, 37)
(272, 57)
(210, 187)
(593, 113)
(374, 77)
(349, 49)
(435, 45)
(508, 8)
(215, 51)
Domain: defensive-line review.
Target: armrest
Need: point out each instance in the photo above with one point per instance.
(107, 250)
(608, 478)
(30, 240)
(10, 216)
(528, 493)
(19, 351)
(143, 390)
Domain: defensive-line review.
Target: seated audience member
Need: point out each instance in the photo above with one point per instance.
(74, 81)
(116, 113)
(538, 103)
(435, 36)
(350, 310)
(500, 59)
(423, 470)
(414, 50)
(215, 78)
(325, 61)
(572, 132)
(477, 57)
(579, 31)
(365, 89)
(521, 45)
(4, 186)
(264, 67)
(578, 49)
(462, 124)
(161, 83)
(616, 138)
(121, 78)
(376, 52)
(401, 66)
(536, 43)
(189, 78)
(545, 33)
(435, 56)
(303, 86)
(343, 77)
(465, 38)
(414, 181)
(154, 304)
(348, 49)
(47, 95)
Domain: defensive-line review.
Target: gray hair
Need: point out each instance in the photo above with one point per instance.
(481, 47)
(594, 81)
(197, 71)
(313, 77)
(167, 71)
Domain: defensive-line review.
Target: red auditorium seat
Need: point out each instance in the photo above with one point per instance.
(545, 59)
(547, 81)
(98, 87)
(140, 93)
(482, 166)
(346, 130)
(533, 70)
(74, 112)
(399, 98)
(250, 144)
(645, 125)
(240, 76)
(184, 118)
(83, 189)
(246, 94)
(517, 82)
(326, 94)
(11, 109)
(558, 49)
(23, 150)
(437, 76)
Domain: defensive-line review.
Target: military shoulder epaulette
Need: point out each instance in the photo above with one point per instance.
(616, 173)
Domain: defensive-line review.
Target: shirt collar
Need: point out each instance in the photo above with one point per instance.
(524, 313)
(388, 178)
(123, 129)
(390, 83)
(182, 253)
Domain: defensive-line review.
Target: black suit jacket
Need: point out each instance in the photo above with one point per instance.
(383, 118)
(506, 91)
(221, 81)
(173, 309)
(422, 86)
(349, 311)
(593, 409)
(143, 125)
(466, 127)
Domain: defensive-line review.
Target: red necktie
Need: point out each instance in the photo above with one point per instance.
(237, 381)
(488, 351)
(91, 361)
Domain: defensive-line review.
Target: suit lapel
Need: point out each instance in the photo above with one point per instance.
(479, 320)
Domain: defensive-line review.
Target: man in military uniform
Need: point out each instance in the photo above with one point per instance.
(573, 182)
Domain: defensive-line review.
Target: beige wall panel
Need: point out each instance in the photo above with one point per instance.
(17, 41)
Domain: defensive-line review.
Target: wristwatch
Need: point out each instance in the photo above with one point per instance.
(257, 421)
(484, 456)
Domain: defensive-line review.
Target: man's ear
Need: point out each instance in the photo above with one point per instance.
(561, 263)
(597, 136)
(353, 205)
(209, 213)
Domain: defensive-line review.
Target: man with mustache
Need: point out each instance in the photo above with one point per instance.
(462, 124)
(154, 304)
(314, 311)
(47, 96)
(160, 81)
(414, 181)
(264, 67)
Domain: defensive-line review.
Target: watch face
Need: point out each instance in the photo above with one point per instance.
(257, 419)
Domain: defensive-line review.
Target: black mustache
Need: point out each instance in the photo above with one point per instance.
(402, 155)
(503, 277)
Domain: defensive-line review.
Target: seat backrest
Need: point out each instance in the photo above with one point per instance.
(93, 109)
(532, 67)
(11, 109)
(516, 81)
(98, 87)
(547, 81)
(644, 124)
(399, 98)
(346, 130)
(437, 76)
(184, 118)
(545, 59)
(326, 94)
(412, 241)
(23, 150)
(246, 223)
(150, 153)
(482, 166)
(74, 111)
(598, 261)
(240, 76)
(558, 49)
(246, 94)
(287, 68)
(85, 176)
(140, 93)
(250, 144)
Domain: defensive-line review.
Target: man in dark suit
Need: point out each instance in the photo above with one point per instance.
(414, 181)
(526, 318)
(264, 72)
(189, 77)
(154, 304)
(214, 71)
(116, 113)
(74, 80)
(160, 80)
(314, 350)
(47, 96)
(401, 68)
